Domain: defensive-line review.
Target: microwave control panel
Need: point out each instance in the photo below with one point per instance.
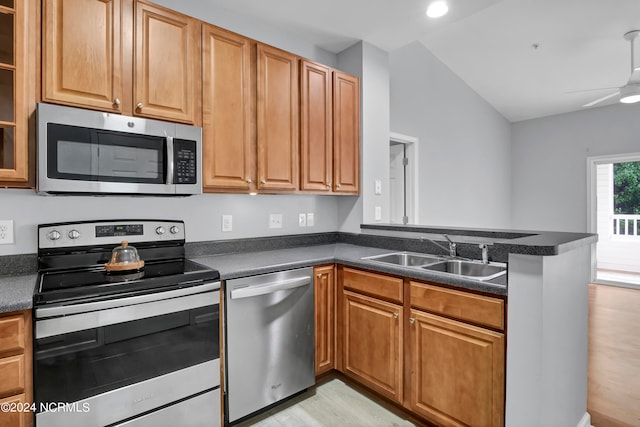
(184, 154)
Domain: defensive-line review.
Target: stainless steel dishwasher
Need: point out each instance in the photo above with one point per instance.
(269, 340)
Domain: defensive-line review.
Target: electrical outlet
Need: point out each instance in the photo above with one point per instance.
(310, 220)
(6, 232)
(227, 223)
(302, 220)
(275, 221)
(378, 187)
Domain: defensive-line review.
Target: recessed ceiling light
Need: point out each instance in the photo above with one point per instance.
(437, 9)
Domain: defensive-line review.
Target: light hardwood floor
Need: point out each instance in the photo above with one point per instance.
(614, 356)
(332, 403)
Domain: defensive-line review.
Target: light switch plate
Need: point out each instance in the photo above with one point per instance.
(275, 220)
(302, 220)
(311, 221)
(227, 223)
(6, 232)
(378, 213)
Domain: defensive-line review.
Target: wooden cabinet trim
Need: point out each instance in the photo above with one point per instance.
(379, 285)
(461, 305)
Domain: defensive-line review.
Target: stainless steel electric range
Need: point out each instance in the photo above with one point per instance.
(133, 348)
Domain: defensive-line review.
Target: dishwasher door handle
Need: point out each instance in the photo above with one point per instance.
(268, 288)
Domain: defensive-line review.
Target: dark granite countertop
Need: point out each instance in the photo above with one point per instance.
(16, 292)
(232, 266)
(526, 242)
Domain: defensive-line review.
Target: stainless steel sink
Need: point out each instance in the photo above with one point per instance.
(405, 259)
(457, 267)
(471, 269)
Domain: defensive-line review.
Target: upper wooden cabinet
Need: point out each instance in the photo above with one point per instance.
(82, 53)
(227, 107)
(316, 129)
(122, 56)
(166, 69)
(346, 133)
(329, 130)
(277, 119)
(18, 34)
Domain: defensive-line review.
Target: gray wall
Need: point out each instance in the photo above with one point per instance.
(548, 158)
(464, 143)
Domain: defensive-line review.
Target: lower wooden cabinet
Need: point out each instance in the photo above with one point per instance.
(457, 372)
(443, 361)
(372, 343)
(325, 317)
(15, 368)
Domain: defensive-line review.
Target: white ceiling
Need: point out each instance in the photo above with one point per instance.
(488, 43)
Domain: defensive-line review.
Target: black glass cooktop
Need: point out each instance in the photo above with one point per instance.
(95, 283)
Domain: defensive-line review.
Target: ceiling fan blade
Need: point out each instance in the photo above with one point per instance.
(592, 90)
(604, 98)
(635, 76)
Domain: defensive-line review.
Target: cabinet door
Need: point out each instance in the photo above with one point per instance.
(277, 130)
(372, 343)
(316, 138)
(346, 133)
(324, 294)
(166, 83)
(18, 34)
(457, 372)
(228, 150)
(81, 53)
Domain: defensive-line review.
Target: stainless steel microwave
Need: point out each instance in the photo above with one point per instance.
(92, 152)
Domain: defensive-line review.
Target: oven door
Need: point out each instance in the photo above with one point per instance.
(129, 361)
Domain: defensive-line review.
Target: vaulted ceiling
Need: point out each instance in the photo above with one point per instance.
(527, 58)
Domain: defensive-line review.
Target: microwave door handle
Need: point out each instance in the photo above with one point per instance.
(170, 162)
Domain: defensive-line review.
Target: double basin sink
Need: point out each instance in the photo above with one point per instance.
(465, 268)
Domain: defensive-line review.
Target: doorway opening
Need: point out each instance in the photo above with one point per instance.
(403, 179)
(615, 216)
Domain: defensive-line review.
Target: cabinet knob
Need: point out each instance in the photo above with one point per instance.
(116, 101)
(249, 180)
(411, 320)
(139, 106)
(395, 315)
(263, 182)
(337, 185)
(329, 185)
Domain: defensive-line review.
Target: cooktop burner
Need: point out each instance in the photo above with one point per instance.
(71, 260)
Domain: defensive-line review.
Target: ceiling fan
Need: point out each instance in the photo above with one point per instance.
(630, 92)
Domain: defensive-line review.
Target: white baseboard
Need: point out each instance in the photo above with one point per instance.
(585, 421)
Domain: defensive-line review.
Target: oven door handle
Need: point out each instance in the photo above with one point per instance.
(111, 316)
(268, 288)
(66, 310)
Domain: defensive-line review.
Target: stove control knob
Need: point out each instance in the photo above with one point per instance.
(160, 230)
(74, 234)
(174, 230)
(54, 235)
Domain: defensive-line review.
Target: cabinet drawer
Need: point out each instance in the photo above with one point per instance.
(386, 287)
(12, 374)
(465, 306)
(15, 418)
(11, 334)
